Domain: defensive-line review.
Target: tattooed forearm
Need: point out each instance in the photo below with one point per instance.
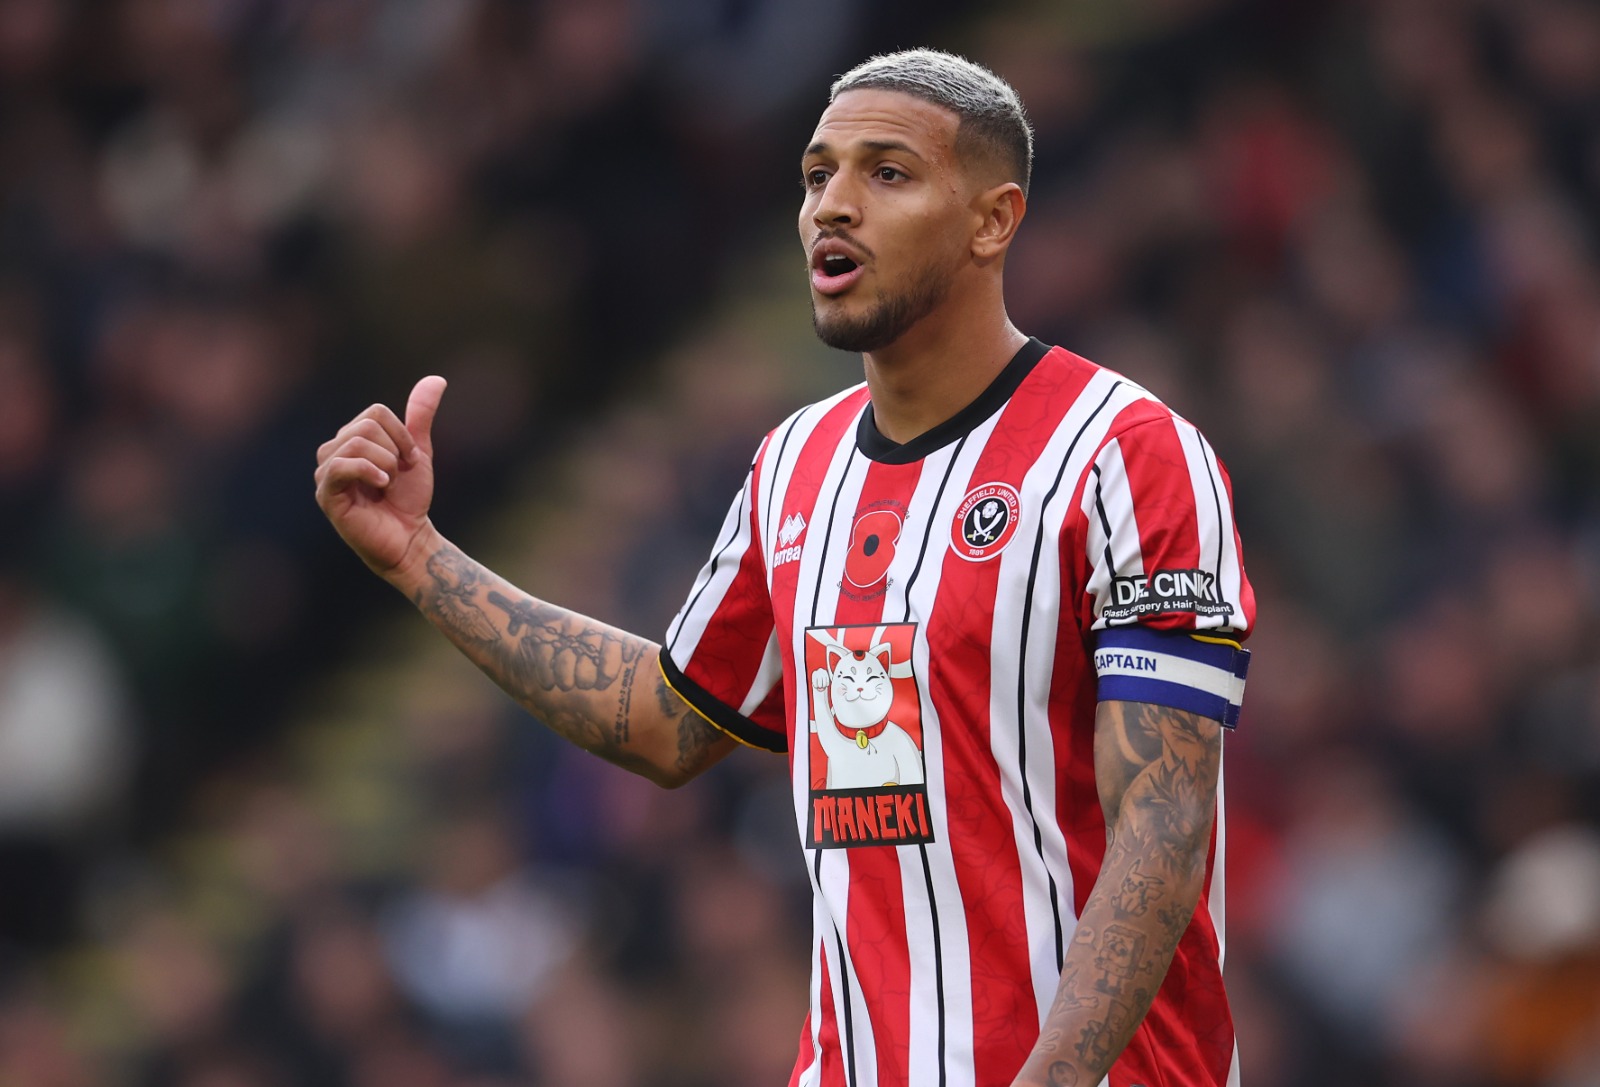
(696, 739)
(1157, 772)
(573, 673)
(456, 584)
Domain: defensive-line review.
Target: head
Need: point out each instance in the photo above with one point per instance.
(861, 691)
(915, 182)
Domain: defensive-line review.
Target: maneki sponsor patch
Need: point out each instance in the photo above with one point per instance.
(868, 782)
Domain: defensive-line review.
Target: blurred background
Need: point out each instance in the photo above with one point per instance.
(258, 828)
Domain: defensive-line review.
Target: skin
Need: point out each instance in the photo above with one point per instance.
(882, 174)
(591, 683)
(881, 171)
(1156, 770)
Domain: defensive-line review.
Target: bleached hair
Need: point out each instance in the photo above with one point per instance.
(993, 122)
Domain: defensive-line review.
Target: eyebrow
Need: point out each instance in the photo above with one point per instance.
(821, 148)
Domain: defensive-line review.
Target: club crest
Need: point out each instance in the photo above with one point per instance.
(985, 521)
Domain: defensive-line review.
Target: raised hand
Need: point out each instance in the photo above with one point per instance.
(375, 479)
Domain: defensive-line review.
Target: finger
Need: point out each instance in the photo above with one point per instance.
(361, 426)
(374, 430)
(365, 448)
(380, 425)
(421, 407)
(341, 473)
(393, 429)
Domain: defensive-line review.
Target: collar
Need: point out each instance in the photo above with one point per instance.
(874, 446)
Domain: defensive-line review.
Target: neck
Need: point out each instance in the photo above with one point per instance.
(939, 366)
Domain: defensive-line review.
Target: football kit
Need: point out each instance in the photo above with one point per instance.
(926, 630)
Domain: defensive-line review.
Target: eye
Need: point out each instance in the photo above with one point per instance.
(887, 173)
(815, 179)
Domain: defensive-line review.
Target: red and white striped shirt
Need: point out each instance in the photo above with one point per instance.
(917, 626)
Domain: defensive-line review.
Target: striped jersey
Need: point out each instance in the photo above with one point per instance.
(919, 626)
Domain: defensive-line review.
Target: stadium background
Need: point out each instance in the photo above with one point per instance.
(258, 829)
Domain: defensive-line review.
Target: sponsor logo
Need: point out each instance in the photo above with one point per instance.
(985, 521)
(868, 784)
(1163, 591)
(889, 816)
(789, 534)
(790, 530)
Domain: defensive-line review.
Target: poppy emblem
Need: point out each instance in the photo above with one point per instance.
(872, 543)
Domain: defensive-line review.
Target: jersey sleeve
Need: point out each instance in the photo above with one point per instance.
(1166, 599)
(721, 652)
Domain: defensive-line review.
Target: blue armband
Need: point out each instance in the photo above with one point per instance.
(1201, 673)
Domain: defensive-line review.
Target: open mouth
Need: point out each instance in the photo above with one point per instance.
(837, 264)
(833, 270)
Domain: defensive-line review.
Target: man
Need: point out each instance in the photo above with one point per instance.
(990, 604)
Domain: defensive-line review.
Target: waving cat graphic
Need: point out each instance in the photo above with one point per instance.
(852, 698)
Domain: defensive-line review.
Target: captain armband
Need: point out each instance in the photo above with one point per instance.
(1201, 673)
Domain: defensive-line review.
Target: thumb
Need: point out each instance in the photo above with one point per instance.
(421, 407)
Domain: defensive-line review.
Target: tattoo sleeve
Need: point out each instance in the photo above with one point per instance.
(575, 674)
(1157, 771)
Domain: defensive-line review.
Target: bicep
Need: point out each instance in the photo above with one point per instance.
(1156, 769)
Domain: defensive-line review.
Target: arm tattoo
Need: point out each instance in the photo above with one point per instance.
(457, 583)
(574, 674)
(695, 736)
(1157, 772)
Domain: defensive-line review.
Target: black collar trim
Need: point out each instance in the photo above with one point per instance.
(875, 446)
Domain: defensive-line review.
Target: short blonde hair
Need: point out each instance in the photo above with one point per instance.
(993, 122)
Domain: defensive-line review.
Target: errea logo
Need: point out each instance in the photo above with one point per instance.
(789, 533)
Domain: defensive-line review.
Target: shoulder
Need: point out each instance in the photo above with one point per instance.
(1136, 414)
(853, 398)
(841, 406)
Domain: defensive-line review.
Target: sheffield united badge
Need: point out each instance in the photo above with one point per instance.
(985, 521)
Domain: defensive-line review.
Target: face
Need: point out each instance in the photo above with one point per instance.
(886, 222)
(862, 691)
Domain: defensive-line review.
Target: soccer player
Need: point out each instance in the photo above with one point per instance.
(990, 604)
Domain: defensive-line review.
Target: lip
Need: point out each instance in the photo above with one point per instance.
(823, 283)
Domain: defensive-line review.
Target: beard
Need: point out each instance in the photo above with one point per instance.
(887, 321)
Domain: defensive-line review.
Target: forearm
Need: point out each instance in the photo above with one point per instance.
(1140, 905)
(590, 683)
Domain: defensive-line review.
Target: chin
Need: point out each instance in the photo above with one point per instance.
(866, 327)
(857, 329)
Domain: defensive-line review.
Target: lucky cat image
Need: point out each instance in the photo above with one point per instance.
(851, 699)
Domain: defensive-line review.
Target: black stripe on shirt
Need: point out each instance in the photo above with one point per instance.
(1022, 673)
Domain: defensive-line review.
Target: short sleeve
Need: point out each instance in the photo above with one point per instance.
(1166, 596)
(721, 652)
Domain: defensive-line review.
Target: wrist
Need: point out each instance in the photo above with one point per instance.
(411, 572)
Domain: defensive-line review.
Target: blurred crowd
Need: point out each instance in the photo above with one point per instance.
(257, 829)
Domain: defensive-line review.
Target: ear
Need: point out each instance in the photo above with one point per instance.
(1000, 210)
(881, 650)
(834, 656)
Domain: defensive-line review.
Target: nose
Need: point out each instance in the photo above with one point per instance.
(839, 203)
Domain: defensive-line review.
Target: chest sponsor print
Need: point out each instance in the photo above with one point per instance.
(868, 782)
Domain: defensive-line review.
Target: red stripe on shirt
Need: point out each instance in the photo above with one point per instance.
(876, 931)
(1005, 1009)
